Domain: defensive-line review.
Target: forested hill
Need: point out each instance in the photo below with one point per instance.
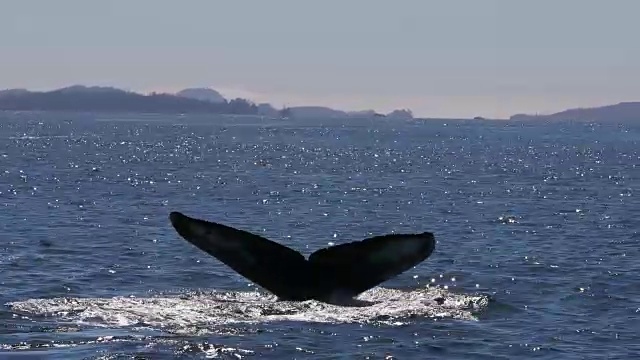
(107, 99)
(188, 101)
(621, 112)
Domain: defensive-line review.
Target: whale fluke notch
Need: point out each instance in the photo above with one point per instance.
(332, 274)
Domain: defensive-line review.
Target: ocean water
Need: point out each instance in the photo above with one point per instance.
(537, 228)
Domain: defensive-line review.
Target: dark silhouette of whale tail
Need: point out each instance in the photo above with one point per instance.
(332, 274)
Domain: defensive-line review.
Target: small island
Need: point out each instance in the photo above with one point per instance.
(80, 98)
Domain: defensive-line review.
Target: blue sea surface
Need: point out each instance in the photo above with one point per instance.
(537, 228)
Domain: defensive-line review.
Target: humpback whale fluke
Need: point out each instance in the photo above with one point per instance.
(331, 275)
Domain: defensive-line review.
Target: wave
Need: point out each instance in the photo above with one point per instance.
(206, 312)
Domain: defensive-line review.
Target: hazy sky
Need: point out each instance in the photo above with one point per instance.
(454, 58)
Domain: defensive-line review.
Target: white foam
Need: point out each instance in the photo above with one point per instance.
(203, 312)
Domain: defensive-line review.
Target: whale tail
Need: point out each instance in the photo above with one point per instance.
(343, 271)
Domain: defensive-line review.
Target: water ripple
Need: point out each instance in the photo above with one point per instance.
(541, 217)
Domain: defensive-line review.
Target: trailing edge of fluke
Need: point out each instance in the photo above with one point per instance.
(333, 275)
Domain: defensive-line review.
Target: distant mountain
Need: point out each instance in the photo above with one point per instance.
(300, 112)
(268, 110)
(203, 94)
(192, 100)
(13, 92)
(364, 114)
(401, 114)
(621, 112)
(81, 89)
(106, 99)
(325, 112)
(315, 112)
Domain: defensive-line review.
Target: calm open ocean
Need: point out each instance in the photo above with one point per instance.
(538, 230)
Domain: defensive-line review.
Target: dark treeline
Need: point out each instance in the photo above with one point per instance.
(115, 100)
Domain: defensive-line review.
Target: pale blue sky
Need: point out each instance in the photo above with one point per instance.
(454, 58)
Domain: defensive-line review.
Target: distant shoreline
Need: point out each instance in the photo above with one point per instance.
(624, 112)
(205, 101)
(79, 98)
